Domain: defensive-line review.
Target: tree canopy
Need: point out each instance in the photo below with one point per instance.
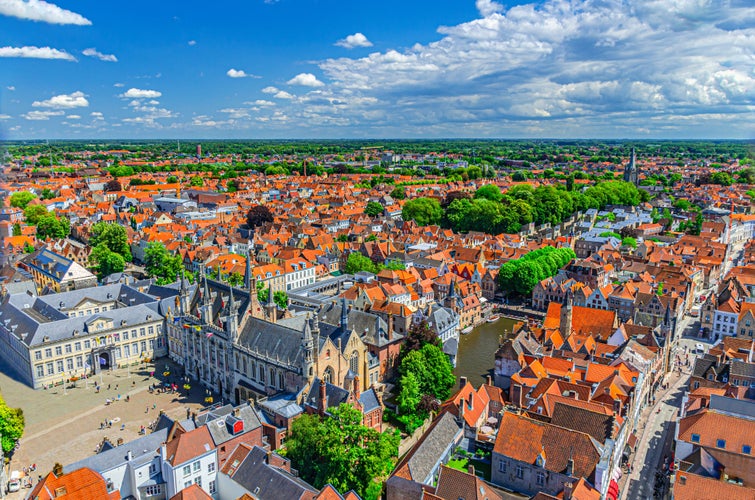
(105, 261)
(521, 275)
(357, 262)
(424, 211)
(11, 426)
(160, 264)
(113, 236)
(258, 215)
(21, 199)
(374, 209)
(340, 451)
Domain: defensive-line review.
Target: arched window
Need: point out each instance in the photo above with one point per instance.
(272, 377)
(262, 373)
(328, 375)
(253, 370)
(281, 380)
(354, 362)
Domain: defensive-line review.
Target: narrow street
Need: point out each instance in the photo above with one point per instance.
(657, 424)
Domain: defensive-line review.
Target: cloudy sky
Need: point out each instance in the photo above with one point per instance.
(377, 69)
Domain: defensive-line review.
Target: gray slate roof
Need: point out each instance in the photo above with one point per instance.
(445, 433)
(268, 482)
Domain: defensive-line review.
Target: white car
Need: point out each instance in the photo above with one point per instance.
(699, 348)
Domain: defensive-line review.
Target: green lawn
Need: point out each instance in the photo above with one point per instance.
(482, 469)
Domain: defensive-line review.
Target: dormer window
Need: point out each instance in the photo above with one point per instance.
(695, 438)
(721, 443)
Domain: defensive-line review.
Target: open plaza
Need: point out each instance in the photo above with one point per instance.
(67, 424)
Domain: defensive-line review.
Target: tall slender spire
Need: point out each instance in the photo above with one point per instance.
(344, 314)
(248, 271)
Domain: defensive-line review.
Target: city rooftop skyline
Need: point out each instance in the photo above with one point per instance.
(327, 69)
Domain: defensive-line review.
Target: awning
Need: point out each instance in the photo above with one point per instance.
(613, 490)
(632, 441)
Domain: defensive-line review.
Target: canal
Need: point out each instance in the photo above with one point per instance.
(476, 356)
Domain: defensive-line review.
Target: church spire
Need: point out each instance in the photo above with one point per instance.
(344, 314)
(248, 272)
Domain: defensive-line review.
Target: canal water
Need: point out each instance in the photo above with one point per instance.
(476, 356)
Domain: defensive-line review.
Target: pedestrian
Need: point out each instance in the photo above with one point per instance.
(108, 387)
(133, 383)
(116, 387)
(154, 406)
(147, 410)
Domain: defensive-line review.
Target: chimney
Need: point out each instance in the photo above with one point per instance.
(723, 475)
(489, 380)
(390, 326)
(682, 479)
(462, 382)
(129, 456)
(570, 468)
(568, 490)
(323, 397)
(470, 469)
(461, 411)
(57, 469)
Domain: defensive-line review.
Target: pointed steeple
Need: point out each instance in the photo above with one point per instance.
(567, 311)
(667, 315)
(248, 271)
(344, 315)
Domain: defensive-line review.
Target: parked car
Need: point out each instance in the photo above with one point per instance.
(14, 484)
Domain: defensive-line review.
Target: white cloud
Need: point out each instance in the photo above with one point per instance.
(133, 93)
(353, 41)
(192, 43)
(96, 115)
(11, 88)
(240, 73)
(41, 115)
(5, 117)
(262, 102)
(33, 52)
(282, 94)
(305, 79)
(557, 67)
(73, 117)
(64, 101)
(118, 85)
(270, 90)
(92, 52)
(236, 112)
(488, 7)
(38, 10)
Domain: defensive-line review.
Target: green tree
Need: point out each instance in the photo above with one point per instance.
(160, 264)
(47, 194)
(279, 297)
(196, 181)
(16, 229)
(105, 261)
(171, 179)
(357, 262)
(629, 242)
(489, 192)
(33, 213)
(21, 199)
(424, 211)
(11, 426)
(50, 226)
(682, 204)
(113, 236)
(374, 209)
(235, 279)
(519, 176)
(340, 451)
(398, 193)
(409, 397)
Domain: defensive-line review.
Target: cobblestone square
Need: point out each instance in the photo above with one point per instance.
(63, 424)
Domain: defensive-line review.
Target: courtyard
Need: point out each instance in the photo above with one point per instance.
(63, 423)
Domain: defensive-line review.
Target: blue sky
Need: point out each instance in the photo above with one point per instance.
(377, 69)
